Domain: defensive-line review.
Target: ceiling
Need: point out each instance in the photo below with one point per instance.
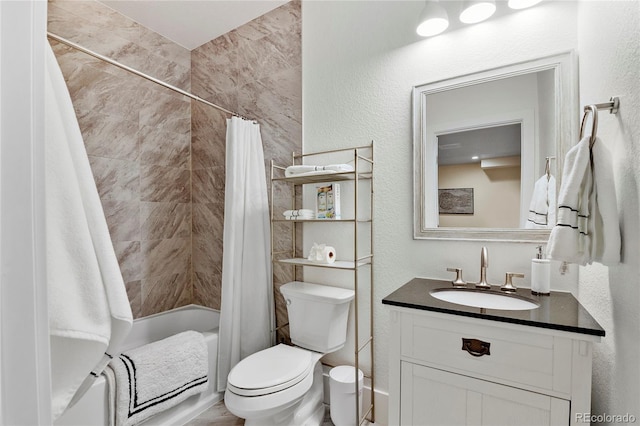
(490, 142)
(191, 23)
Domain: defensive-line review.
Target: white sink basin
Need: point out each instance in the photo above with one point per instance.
(484, 299)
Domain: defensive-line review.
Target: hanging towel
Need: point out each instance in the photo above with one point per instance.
(588, 229)
(89, 312)
(570, 240)
(606, 241)
(542, 210)
(152, 378)
(305, 170)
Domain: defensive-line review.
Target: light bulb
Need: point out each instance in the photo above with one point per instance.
(477, 11)
(431, 27)
(433, 20)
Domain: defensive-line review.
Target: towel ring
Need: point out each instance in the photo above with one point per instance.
(594, 126)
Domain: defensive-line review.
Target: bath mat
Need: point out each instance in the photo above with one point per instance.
(152, 378)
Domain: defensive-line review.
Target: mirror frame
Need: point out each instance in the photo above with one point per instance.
(565, 77)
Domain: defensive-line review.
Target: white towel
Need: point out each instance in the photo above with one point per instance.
(154, 377)
(588, 229)
(299, 214)
(542, 210)
(306, 170)
(89, 312)
(606, 242)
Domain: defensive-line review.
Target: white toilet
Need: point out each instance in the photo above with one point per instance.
(282, 385)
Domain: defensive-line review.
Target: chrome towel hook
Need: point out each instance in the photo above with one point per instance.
(547, 167)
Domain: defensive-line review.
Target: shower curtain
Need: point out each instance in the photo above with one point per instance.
(247, 297)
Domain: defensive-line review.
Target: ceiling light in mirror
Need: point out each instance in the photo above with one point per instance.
(477, 11)
(433, 20)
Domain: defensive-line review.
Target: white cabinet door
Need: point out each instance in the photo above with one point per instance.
(435, 397)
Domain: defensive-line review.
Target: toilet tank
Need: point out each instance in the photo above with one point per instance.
(318, 315)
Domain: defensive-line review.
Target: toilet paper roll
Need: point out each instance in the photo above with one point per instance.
(328, 255)
(322, 253)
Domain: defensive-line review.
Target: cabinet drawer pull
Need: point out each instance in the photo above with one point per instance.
(475, 347)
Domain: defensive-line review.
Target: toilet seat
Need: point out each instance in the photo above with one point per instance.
(256, 407)
(287, 366)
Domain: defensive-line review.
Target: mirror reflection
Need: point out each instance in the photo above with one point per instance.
(481, 144)
(485, 163)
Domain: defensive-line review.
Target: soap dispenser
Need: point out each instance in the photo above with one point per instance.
(540, 274)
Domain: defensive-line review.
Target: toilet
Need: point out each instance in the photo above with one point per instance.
(283, 385)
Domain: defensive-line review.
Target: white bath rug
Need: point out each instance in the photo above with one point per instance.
(152, 378)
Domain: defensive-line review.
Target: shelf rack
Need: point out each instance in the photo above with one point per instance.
(363, 170)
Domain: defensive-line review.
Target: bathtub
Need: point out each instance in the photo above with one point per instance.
(92, 408)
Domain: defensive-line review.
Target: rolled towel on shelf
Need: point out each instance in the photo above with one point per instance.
(299, 214)
(299, 217)
(152, 378)
(306, 170)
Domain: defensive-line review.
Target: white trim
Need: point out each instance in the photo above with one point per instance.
(2, 403)
(24, 333)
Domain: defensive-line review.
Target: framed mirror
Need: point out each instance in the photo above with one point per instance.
(482, 140)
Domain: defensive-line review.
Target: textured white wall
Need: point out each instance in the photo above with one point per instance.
(609, 64)
(360, 62)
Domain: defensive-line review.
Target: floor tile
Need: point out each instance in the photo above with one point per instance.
(218, 415)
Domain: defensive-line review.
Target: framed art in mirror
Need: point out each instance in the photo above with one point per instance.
(455, 201)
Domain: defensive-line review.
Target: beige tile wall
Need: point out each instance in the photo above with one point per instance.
(138, 138)
(255, 70)
(159, 159)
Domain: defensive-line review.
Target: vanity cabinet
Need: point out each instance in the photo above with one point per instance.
(447, 369)
(437, 397)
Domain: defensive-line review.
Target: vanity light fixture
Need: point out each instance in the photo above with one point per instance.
(474, 11)
(433, 19)
(475, 157)
(522, 4)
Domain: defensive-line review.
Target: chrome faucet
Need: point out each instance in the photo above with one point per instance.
(484, 264)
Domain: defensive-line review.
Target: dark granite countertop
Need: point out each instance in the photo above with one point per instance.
(559, 311)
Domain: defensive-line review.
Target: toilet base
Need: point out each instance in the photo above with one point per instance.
(308, 411)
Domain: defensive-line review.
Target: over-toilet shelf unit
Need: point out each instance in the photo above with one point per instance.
(354, 234)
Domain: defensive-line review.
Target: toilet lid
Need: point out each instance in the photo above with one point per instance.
(270, 370)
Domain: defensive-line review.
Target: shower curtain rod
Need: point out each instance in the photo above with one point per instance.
(140, 74)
